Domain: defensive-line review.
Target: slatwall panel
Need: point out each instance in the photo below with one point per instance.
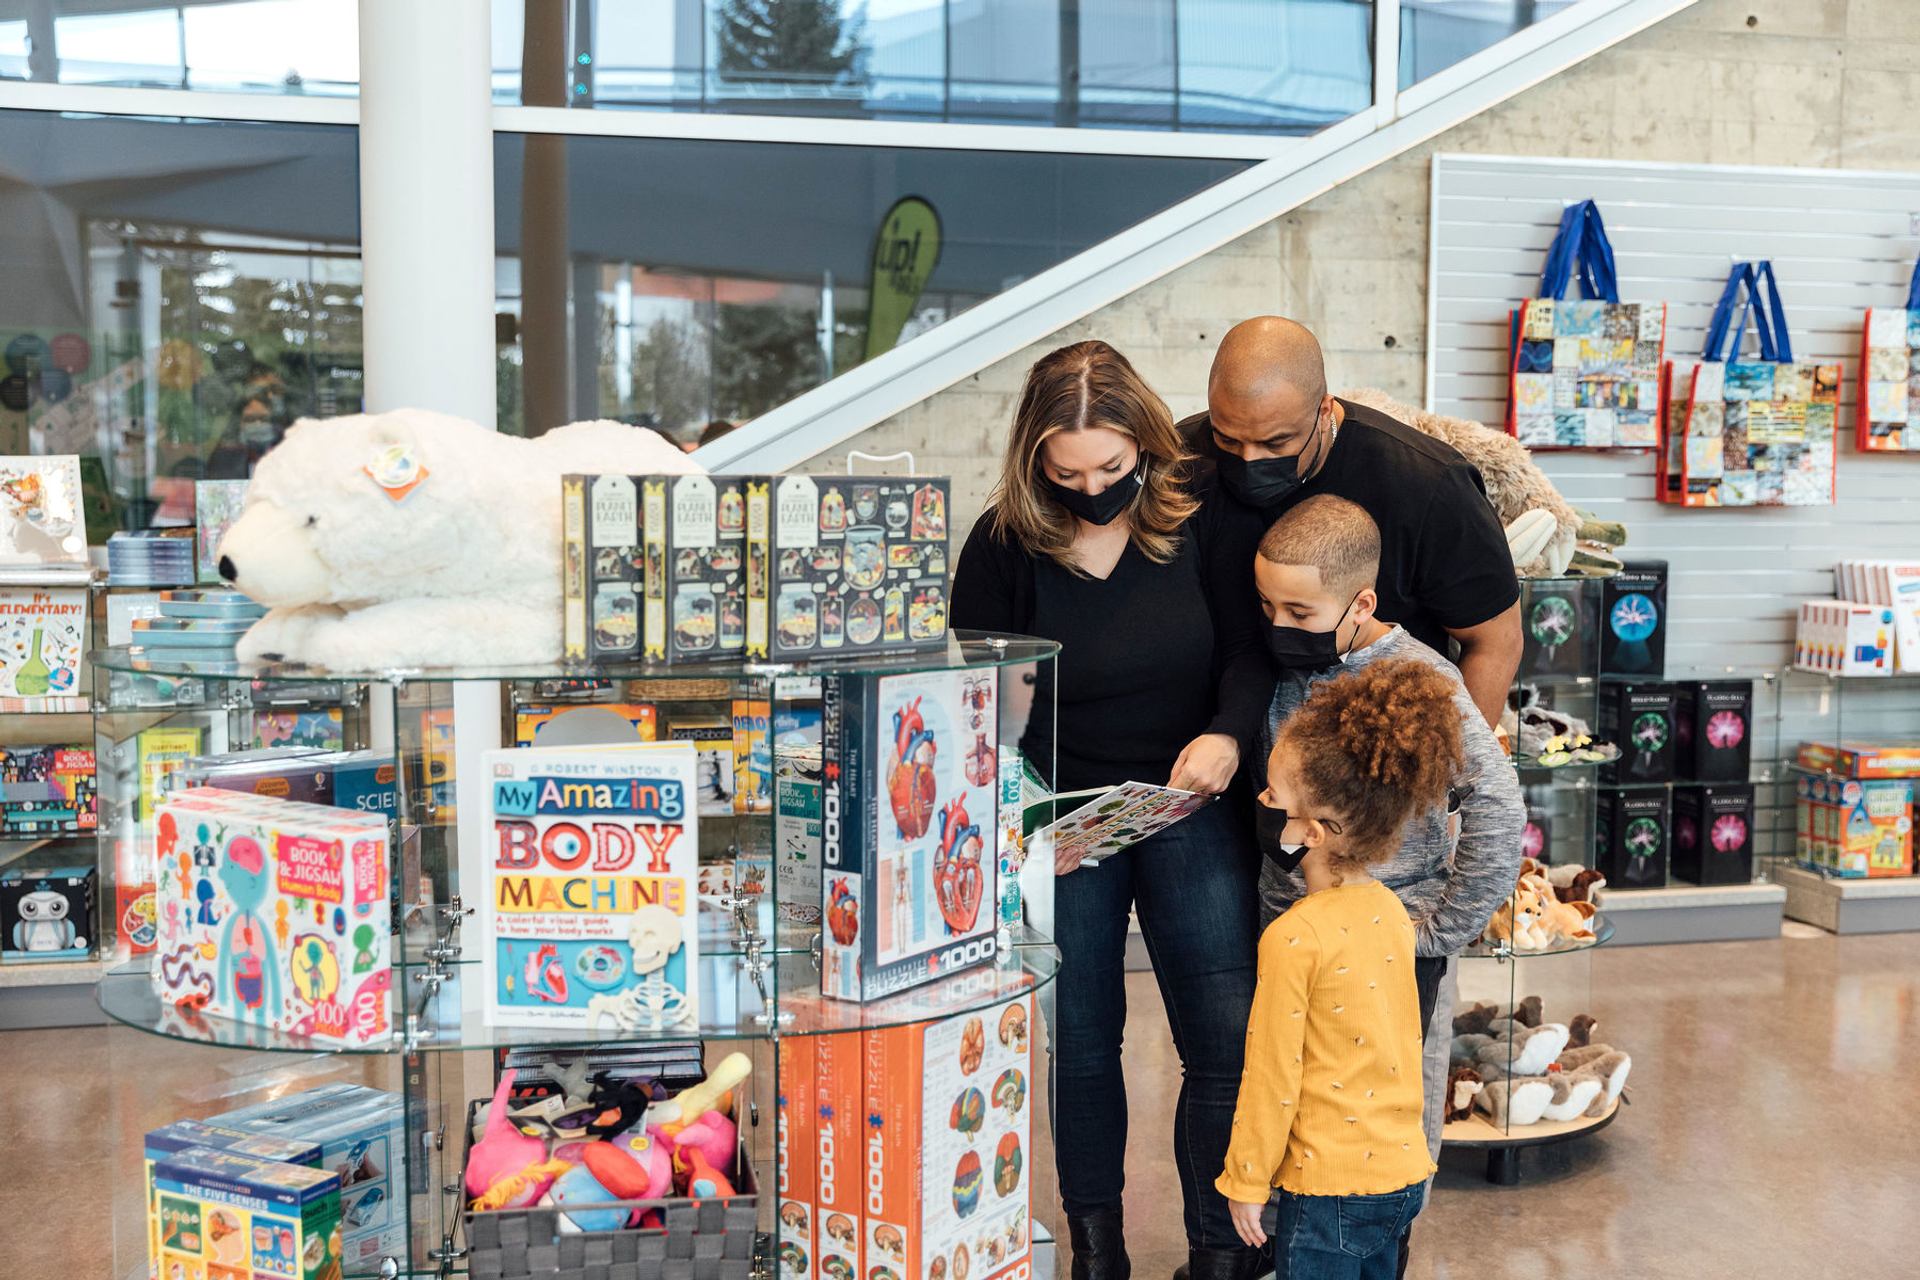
(1840, 241)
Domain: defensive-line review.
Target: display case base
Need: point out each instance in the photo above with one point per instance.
(56, 993)
(1694, 913)
(1477, 1133)
(1890, 905)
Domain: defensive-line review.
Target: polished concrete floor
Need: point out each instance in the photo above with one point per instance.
(1772, 1129)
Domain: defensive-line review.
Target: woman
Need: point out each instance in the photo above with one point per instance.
(1092, 540)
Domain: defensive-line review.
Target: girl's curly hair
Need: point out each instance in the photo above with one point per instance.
(1377, 746)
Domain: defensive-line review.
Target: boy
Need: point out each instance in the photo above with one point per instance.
(1315, 573)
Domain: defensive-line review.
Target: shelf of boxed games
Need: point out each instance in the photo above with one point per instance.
(734, 993)
(1842, 841)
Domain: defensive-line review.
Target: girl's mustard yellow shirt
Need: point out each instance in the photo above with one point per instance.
(1331, 1096)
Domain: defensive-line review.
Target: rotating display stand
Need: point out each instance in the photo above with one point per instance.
(808, 1202)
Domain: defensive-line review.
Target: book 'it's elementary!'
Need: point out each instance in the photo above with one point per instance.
(590, 918)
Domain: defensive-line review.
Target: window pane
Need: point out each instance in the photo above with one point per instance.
(1435, 34)
(248, 46)
(177, 294)
(1279, 66)
(682, 282)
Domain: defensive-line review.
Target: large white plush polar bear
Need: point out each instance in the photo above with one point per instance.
(415, 539)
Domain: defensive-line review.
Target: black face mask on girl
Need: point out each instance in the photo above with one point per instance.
(1269, 829)
(1100, 508)
(1297, 649)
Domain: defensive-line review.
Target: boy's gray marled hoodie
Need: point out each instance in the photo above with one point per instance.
(1450, 889)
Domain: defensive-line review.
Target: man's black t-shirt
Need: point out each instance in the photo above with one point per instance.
(1443, 554)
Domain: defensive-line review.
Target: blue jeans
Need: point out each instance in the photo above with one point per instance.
(1193, 888)
(1340, 1237)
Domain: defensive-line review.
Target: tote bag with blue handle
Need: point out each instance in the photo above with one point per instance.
(1889, 417)
(1745, 432)
(1585, 374)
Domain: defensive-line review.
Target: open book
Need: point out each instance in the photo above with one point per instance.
(1102, 821)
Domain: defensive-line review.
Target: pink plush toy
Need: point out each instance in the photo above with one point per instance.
(502, 1151)
(713, 1135)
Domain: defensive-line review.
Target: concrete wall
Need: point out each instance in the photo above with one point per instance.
(1778, 82)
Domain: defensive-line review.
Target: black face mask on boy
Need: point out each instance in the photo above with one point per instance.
(1297, 649)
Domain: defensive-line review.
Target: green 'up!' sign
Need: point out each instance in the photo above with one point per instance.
(904, 254)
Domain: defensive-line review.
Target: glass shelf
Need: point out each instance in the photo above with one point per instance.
(1602, 934)
(963, 649)
(731, 1008)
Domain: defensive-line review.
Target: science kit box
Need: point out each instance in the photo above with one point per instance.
(47, 791)
(1638, 716)
(47, 914)
(854, 564)
(909, 861)
(1633, 620)
(217, 1215)
(1713, 730)
(1713, 833)
(1633, 836)
(291, 902)
(1855, 827)
(949, 1136)
(591, 911)
(1858, 759)
(1559, 636)
(360, 1136)
(183, 1135)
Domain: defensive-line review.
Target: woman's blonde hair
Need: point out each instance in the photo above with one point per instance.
(1089, 384)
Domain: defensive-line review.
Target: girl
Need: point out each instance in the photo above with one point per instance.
(1092, 540)
(1330, 1105)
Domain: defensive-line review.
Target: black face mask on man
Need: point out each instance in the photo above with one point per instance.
(1100, 508)
(1270, 823)
(1297, 649)
(1264, 483)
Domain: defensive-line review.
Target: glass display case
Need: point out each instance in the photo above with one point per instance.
(364, 977)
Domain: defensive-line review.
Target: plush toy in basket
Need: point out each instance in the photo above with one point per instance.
(597, 1168)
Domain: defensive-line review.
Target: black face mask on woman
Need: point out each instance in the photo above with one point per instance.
(1269, 827)
(1297, 649)
(1101, 508)
(1264, 483)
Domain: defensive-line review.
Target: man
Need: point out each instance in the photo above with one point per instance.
(1275, 437)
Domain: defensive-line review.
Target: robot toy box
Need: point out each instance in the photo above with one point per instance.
(47, 915)
(600, 568)
(694, 533)
(910, 829)
(47, 791)
(852, 565)
(949, 1136)
(590, 918)
(291, 902)
(360, 1137)
(222, 1216)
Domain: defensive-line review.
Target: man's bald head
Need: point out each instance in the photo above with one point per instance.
(1261, 356)
(1268, 388)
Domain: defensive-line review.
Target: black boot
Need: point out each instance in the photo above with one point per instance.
(1235, 1263)
(1099, 1246)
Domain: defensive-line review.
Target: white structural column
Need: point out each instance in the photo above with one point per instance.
(426, 205)
(426, 234)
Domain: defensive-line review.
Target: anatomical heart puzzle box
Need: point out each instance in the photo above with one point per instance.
(910, 832)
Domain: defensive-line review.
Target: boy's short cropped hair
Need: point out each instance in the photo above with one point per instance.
(1331, 534)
